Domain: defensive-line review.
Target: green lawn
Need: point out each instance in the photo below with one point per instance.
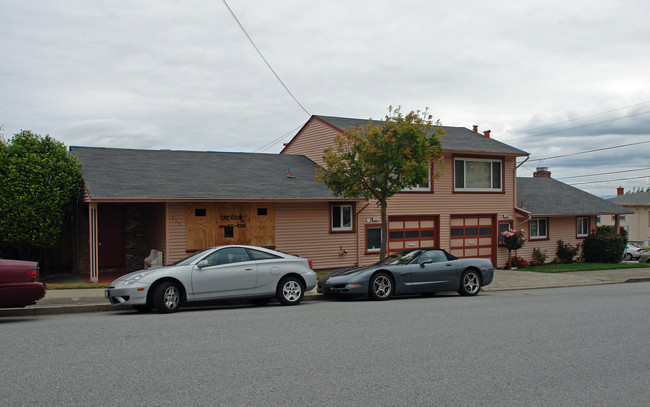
(562, 268)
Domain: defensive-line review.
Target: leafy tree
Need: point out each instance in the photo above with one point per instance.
(378, 161)
(38, 181)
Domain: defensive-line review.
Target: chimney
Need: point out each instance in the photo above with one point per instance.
(475, 129)
(486, 133)
(542, 172)
(620, 191)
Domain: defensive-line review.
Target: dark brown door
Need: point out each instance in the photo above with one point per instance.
(110, 236)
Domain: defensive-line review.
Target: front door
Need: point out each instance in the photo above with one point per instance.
(110, 236)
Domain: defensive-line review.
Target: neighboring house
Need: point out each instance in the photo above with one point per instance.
(549, 210)
(179, 202)
(636, 223)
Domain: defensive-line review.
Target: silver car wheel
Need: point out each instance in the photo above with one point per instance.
(470, 283)
(290, 291)
(382, 287)
(167, 297)
(171, 297)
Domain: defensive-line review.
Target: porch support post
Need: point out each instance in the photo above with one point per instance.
(93, 245)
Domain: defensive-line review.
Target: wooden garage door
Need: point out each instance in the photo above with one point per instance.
(406, 232)
(473, 236)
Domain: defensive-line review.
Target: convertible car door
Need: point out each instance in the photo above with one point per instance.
(230, 272)
(433, 272)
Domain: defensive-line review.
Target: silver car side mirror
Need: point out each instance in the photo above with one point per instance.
(202, 263)
(428, 261)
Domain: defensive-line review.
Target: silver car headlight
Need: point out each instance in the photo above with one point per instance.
(137, 277)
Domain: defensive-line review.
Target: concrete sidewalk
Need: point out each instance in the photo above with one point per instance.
(92, 300)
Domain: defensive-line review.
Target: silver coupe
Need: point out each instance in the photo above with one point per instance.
(413, 271)
(217, 273)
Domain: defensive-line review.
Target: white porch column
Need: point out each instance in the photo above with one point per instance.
(93, 246)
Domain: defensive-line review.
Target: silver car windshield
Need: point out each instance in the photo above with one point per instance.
(192, 258)
(400, 258)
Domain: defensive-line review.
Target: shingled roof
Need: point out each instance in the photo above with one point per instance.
(112, 173)
(455, 139)
(543, 196)
(632, 199)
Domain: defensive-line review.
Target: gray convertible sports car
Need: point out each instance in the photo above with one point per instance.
(424, 271)
(217, 273)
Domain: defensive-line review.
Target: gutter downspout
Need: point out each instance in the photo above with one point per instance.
(359, 233)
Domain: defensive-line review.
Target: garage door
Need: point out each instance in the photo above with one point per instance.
(410, 232)
(473, 236)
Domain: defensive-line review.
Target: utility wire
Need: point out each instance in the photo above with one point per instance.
(590, 151)
(609, 180)
(605, 173)
(582, 126)
(276, 141)
(580, 118)
(264, 59)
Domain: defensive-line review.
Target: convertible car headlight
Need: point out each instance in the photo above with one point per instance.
(137, 277)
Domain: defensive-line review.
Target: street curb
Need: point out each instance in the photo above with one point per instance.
(99, 307)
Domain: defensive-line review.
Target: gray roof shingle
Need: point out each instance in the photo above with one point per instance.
(547, 196)
(633, 199)
(455, 138)
(112, 173)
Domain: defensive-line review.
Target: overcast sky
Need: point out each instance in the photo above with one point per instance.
(182, 75)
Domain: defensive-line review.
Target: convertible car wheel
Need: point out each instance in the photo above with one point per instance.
(167, 297)
(290, 291)
(470, 283)
(381, 287)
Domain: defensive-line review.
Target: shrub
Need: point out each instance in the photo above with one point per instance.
(604, 246)
(539, 258)
(518, 262)
(566, 252)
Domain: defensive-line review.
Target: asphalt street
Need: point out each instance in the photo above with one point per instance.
(576, 346)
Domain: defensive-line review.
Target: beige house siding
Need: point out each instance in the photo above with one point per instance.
(176, 246)
(559, 228)
(302, 229)
(636, 224)
(314, 138)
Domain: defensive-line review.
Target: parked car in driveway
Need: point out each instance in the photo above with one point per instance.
(217, 273)
(633, 251)
(412, 271)
(19, 285)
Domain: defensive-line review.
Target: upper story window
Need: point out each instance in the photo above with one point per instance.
(341, 217)
(582, 226)
(539, 228)
(480, 175)
(424, 187)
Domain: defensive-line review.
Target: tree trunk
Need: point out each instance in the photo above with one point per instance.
(383, 205)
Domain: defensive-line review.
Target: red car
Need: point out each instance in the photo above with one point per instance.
(19, 285)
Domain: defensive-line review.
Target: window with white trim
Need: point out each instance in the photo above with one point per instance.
(373, 239)
(426, 186)
(539, 228)
(480, 175)
(341, 215)
(582, 226)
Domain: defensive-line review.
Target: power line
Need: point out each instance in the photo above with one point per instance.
(590, 151)
(580, 118)
(605, 173)
(583, 126)
(264, 59)
(609, 180)
(276, 141)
